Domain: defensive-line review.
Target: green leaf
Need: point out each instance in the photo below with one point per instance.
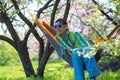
(38, 1)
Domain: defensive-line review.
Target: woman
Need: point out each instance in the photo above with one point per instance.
(75, 44)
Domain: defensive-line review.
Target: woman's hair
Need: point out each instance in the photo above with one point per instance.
(62, 21)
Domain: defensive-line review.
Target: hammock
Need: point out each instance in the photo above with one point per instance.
(50, 33)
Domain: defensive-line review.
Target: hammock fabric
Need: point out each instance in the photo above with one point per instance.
(50, 33)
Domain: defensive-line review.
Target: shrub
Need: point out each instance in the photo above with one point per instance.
(8, 55)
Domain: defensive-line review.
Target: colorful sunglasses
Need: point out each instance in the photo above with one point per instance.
(58, 26)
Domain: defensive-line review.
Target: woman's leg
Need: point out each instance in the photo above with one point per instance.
(77, 61)
(92, 67)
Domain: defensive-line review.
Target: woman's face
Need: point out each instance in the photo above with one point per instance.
(60, 29)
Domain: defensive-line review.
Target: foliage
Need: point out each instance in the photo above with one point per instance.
(117, 10)
(8, 55)
(111, 46)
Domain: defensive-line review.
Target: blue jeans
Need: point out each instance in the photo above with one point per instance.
(80, 63)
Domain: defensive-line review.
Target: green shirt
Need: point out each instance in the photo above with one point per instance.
(72, 40)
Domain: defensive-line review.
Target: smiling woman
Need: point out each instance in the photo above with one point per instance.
(77, 45)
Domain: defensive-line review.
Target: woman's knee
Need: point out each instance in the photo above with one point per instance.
(77, 52)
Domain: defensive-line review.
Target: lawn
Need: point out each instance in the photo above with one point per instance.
(55, 70)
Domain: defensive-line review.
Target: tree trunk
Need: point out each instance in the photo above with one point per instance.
(20, 46)
(25, 59)
(44, 59)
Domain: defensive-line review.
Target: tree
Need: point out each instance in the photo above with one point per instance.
(19, 45)
(76, 12)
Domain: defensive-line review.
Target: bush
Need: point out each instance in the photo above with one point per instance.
(8, 55)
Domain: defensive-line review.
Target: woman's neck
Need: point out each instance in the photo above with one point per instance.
(63, 35)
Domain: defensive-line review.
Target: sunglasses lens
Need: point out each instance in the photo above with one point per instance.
(60, 26)
(57, 26)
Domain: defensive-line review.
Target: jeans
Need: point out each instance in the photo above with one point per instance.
(81, 63)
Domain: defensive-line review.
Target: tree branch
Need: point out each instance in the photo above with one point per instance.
(22, 16)
(67, 10)
(43, 8)
(108, 17)
(54, 11)
(26, 36)
(9, 25)
(88, 25)
(32, 29)
(8, 40)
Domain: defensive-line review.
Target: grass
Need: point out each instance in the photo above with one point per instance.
(11, 73)
(55, 70)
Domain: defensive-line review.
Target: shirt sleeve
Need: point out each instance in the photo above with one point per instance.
(82, 38)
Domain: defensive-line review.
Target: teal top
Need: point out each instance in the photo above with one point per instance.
(72, 40)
